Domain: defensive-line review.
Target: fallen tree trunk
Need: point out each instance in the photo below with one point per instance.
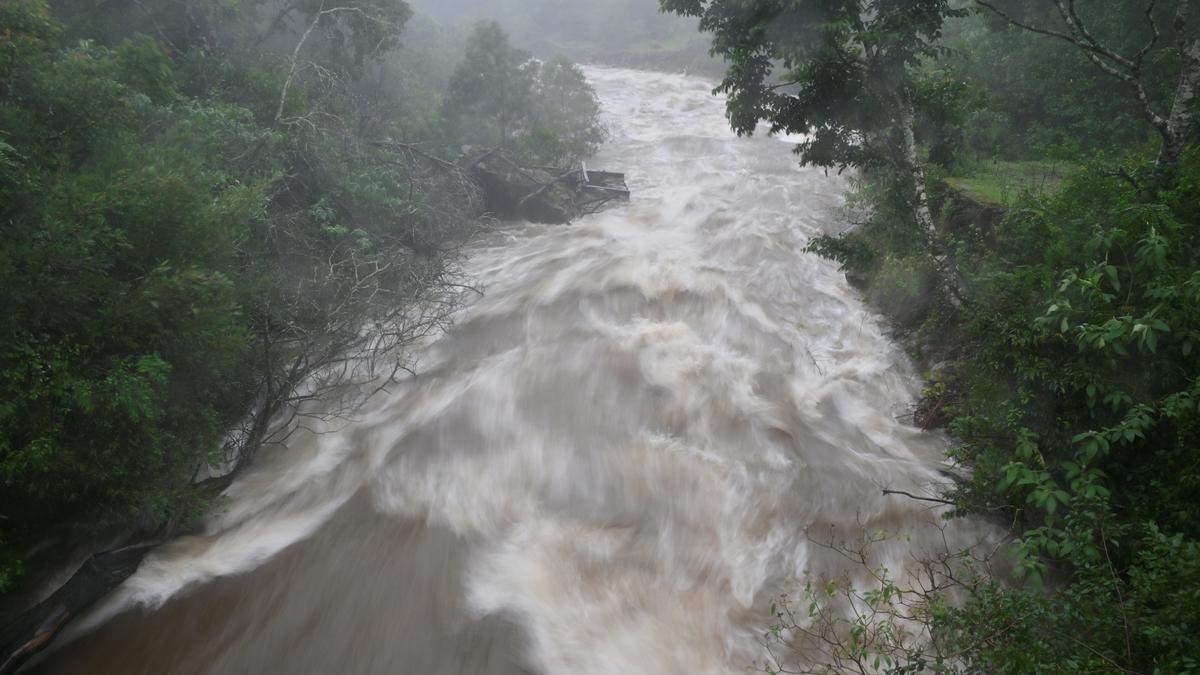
(32, 630)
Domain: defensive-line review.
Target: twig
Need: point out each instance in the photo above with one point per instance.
(912, 496)
(538, 192)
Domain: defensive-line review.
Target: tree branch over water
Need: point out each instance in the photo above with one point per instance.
(910, 495)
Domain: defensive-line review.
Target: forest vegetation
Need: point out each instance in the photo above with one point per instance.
(1027, 211)
(219, 224)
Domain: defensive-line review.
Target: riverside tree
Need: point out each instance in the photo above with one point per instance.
(840, 73)
(200, 241)
(501, 96)
(492, 88)
(1170, 27)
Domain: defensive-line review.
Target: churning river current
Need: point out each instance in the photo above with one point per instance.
(613, 463)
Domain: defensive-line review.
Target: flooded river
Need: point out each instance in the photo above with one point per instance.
(612, 464)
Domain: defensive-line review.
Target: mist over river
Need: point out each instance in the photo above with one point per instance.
(613, 463)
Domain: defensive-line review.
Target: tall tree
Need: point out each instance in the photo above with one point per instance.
(494, 82)
(565, 113)
(837, 71)
(183, 264)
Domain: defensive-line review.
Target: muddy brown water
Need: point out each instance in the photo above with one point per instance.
(612, 464)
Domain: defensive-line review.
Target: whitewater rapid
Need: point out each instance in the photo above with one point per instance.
(613, 463)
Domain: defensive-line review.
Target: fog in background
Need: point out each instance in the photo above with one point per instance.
(617, 32)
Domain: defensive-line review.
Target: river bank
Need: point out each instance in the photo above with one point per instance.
(928, 327)
(639, 422)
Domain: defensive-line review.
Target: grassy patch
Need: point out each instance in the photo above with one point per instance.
(1001, 182)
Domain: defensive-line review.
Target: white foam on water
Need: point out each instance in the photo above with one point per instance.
(636, 427)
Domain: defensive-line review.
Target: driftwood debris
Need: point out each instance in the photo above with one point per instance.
(542, 194)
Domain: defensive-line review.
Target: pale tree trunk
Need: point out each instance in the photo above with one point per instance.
(1183, 109)
(947, 277)
(912, 162)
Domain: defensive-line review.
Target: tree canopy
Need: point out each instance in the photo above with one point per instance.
(494, 83)
(501, 96)
(830, 70)
(206, 233)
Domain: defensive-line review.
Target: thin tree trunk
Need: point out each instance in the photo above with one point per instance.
(1183, 110)
(947, 278)
(912, 162)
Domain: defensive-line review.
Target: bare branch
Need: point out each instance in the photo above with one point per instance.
(395, 145)
(1155, 34)
(1024, 26)
(321, 13)
(935, 500)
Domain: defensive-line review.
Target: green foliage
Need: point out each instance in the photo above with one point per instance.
(899, 282)
(565, 116)
(1141, 618)
(196, 225)
(1043, 97)
(492, 88)
(1079, 423)
(880, 206)
(124, 352)
(850, 249)
(1102, 321)
(501, 96)
(947, 101)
